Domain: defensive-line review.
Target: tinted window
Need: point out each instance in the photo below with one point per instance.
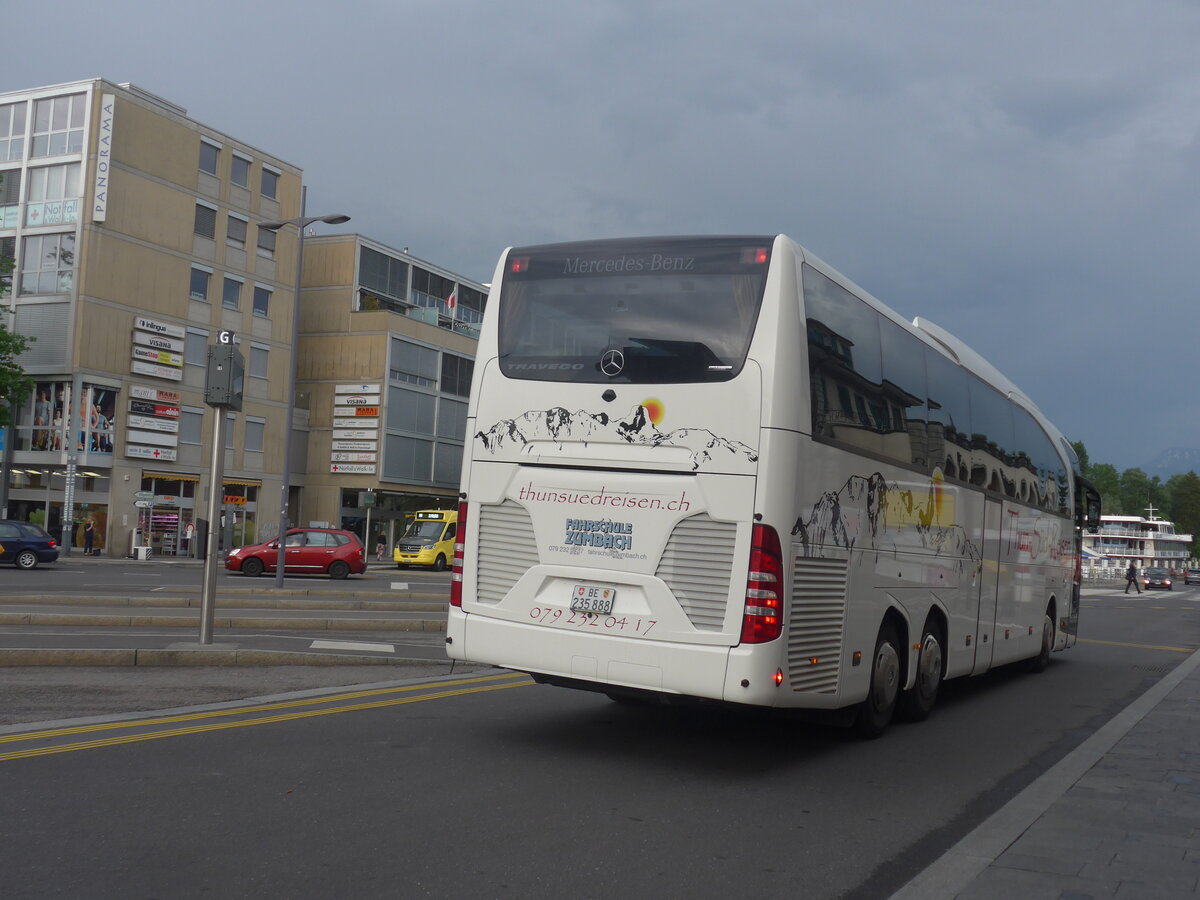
(674, 310)
(948, 411)
(8, 531)
(992, 446)
(844, 359)
(903, 396)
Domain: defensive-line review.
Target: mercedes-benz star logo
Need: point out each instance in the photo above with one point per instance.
(612, 362)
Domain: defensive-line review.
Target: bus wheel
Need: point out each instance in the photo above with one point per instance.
(439, 564)
(1038, 663)
(876, 711)
(918, 703)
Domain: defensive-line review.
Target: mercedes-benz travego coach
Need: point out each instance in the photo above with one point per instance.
(714, 467)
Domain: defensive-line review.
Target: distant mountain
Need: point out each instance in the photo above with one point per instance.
(1175, 461)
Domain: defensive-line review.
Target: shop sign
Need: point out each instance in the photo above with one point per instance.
(341, 468)
(356, 445)
(165, 328)
(158, 342)
(164, 357)
(352, 457)
(137, 367)
(157, 438)
(135, 451)
(153, 424)
(233, 500)
(142, 392)
(355, 423)
(356, 434)
(356, 389)
(148, 408)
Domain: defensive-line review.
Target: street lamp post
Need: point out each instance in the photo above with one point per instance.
(301, 223)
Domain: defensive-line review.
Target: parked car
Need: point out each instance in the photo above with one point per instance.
(1191, 576)
(1157, 578)
(25, 545)
(309, 551)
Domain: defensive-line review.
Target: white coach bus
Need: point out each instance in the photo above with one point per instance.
(713, 467)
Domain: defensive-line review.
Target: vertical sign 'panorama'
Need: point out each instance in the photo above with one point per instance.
(103, 158)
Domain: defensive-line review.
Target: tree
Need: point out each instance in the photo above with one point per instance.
(1108, 483)
(1084, 462)
(15, 385)
(1184, 505)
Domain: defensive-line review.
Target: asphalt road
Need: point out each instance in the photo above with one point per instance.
(492, 787)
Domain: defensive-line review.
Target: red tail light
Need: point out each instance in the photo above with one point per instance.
(456, 573)
(763, 618)
(53, 543)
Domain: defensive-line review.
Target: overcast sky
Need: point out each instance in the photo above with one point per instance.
(1024, 174)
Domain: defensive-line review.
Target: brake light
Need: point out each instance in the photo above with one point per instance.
(755, 255)
(53, 543)
(762, 620)
(518, 265)
(456, 572)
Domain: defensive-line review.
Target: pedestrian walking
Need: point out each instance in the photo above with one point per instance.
(1131, 577)
(380, 546)
(89, 535)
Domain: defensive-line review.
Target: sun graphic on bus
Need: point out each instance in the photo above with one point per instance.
(938, 481)
(654, 409)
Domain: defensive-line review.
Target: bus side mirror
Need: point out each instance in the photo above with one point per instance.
(1093, 511)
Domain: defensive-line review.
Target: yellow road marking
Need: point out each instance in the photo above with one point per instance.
(1139, 646)
(239, 710)
(265, 720)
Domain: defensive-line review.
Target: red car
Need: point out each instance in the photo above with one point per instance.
(310, 551)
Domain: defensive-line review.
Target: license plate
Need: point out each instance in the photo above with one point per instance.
(593, 598)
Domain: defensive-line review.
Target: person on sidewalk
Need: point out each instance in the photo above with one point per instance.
(380, 546)
(89, 535)
(1131, 577)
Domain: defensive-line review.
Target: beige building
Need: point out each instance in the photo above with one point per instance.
(385, 361)
(133, 229)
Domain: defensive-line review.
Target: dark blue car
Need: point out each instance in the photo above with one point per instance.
(25, 545)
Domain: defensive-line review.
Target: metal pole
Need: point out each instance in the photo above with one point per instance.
(286, 482)
(216, 488)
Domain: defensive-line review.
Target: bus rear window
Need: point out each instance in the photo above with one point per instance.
(662, 310)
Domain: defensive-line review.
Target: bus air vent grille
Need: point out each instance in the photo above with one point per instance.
(696, 565)
(506, 549)
(816, 624)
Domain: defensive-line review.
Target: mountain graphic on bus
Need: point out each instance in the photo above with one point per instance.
(868, 513)
(559, 425)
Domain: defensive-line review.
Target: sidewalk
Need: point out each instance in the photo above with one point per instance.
(1118, 817)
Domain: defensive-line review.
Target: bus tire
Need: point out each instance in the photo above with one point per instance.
(918, 703)
(1038, 663)
(877, 710)
(439, 564)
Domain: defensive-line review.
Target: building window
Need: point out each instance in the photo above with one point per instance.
(258, 361)
(209, 154)
(10, 198)
(53, 196)
(191, 420)
(262, 300)
(206, 221)
(383, 274)
(8, 250)
(456, 375)
(58, 125)
(48, 264)
(231, 296)
(253, 440)
(270, 183)
(198, 289)
(235, 234)
(239, 171)
(12, 131)
(266, 243)
(414, 364)
(195, 348)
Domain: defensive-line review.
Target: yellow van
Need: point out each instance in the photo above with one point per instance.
(429, 540)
